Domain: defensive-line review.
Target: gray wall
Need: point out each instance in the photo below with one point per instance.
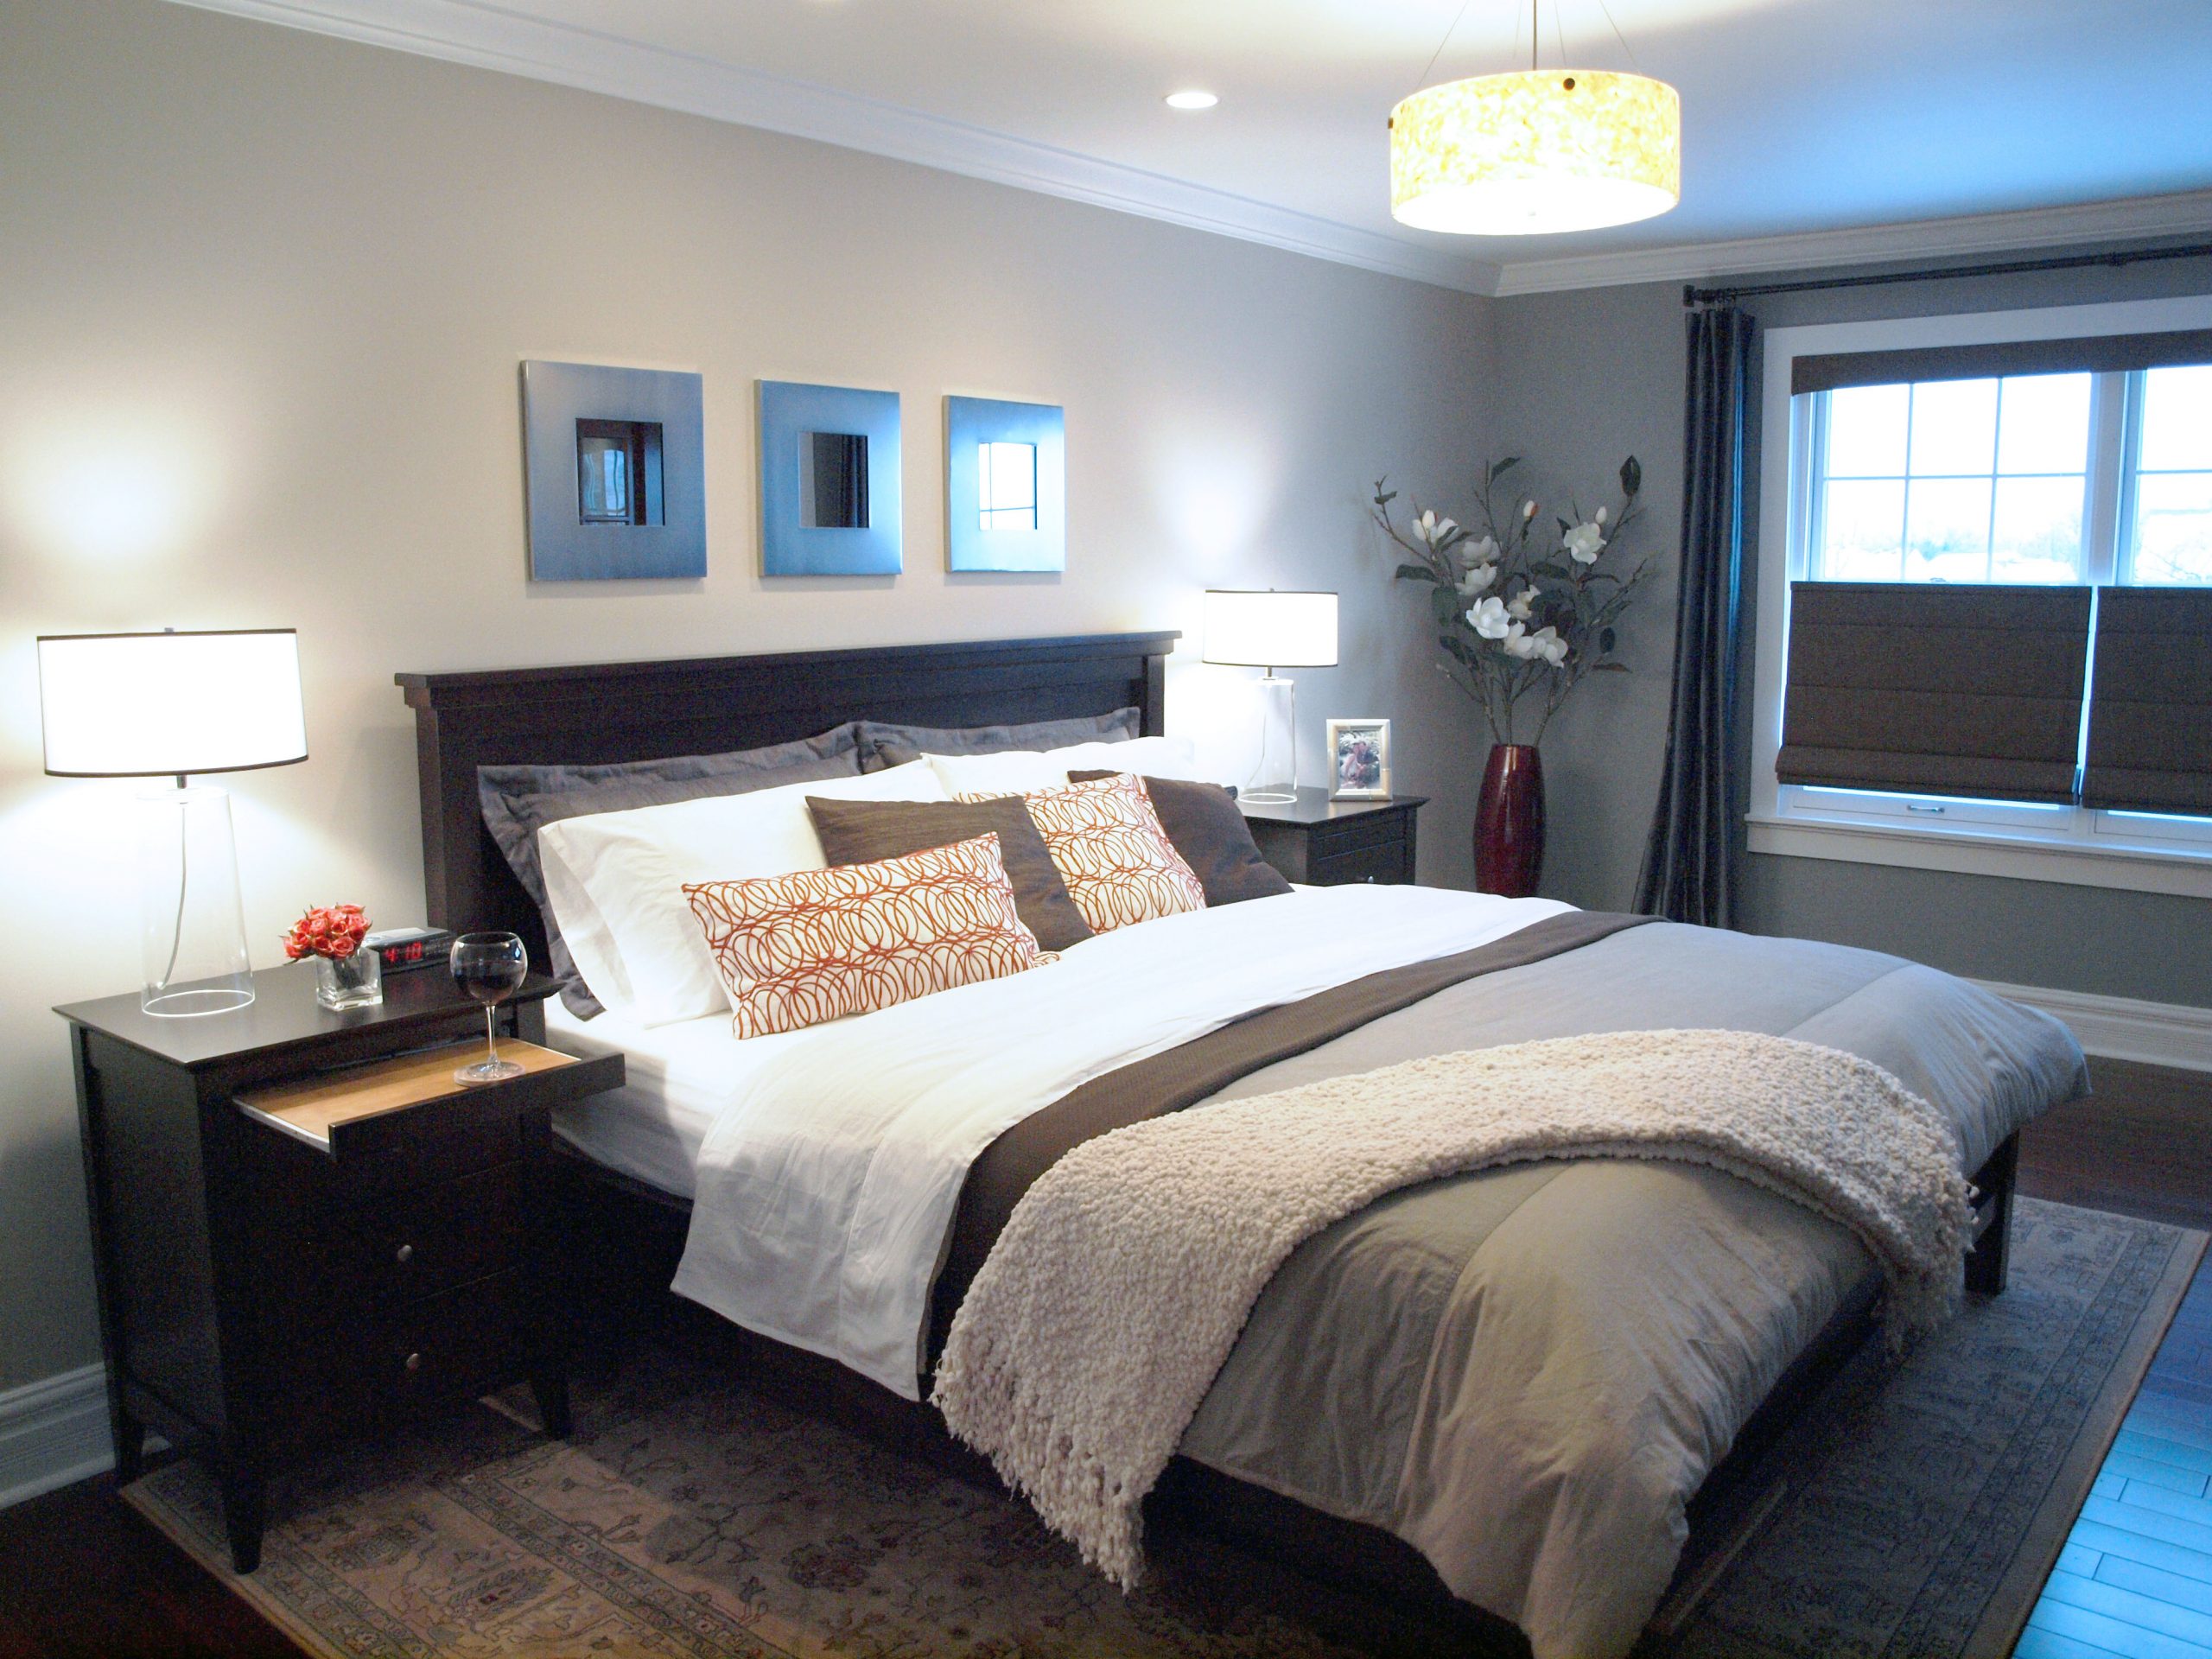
(263, 295)
(1584, 376)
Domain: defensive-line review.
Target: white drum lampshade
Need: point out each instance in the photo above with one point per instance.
(1535, 152)
(1272, 630)
(156, 705)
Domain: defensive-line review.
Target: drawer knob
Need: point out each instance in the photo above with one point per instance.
(403, 1254)
(414, 1362)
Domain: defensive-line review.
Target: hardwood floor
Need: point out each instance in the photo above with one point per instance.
(82, 1574)
(2135, 1580)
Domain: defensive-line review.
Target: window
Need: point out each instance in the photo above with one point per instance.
(1954, 480)
(2039, 472)
(1998, 480)
(2169, 482)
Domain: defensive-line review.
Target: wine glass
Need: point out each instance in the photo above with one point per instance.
(489, 967)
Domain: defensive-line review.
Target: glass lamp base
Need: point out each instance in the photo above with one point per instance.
(488, 1072)
(1275, 779)
(184, 1001)
(191, 928)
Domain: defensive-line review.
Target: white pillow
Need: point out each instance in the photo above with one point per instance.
(615, 881)
(1022, 772)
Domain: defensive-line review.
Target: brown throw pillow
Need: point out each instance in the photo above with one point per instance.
(868, 832)
(1210, 833)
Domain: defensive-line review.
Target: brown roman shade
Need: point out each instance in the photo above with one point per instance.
(1934, 689)
(2151, 703)
(2096, 354)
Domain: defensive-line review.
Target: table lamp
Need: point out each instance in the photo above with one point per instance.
(1271, 631)
(170, 704)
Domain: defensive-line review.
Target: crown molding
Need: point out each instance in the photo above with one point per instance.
(1932, 238)
(489, 37)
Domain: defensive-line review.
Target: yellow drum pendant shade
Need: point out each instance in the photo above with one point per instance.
(1536, 150)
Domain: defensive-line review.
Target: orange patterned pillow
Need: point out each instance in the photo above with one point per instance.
(1106, 842)
(797, 950)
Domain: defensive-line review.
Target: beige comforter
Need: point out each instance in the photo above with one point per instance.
(1596, 1330)
(1120, 1284)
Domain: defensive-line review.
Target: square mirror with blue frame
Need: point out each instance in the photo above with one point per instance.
(1005, 485)
(615, 464)
(829, 497)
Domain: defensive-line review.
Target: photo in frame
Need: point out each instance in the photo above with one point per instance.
(1359, 760)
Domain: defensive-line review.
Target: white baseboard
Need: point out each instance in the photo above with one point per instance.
(2120, 1028)
(53, 1432)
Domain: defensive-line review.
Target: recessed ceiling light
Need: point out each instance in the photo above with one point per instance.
(1191, 100)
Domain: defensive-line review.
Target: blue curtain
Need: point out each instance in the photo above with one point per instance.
(1693, 861)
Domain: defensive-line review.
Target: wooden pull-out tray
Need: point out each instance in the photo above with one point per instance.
(364, 1109)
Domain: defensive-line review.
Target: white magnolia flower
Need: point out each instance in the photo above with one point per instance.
(1523, 604)
(1482, 552)
(1432, 530)
(1601, 519)
(1489, 620)
(1517, 642)
(1527, 509)
(1478, 578)
(1548, 646)
(1584, 542)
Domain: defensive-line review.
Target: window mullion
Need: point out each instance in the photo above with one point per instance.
(1904, 503)
(2131, 461)
(1809, 512)
(2111, 415)
(1989, 525)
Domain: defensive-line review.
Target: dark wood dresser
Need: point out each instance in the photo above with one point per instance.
(1327, 843)
(304, 1228)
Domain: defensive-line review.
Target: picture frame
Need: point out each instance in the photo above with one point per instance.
(1005, 485)
(1359, 760)
(829, 480)
(615, 472)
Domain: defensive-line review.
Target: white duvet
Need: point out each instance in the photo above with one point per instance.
(826, 1187)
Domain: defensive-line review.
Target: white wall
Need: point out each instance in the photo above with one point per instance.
(262, 299)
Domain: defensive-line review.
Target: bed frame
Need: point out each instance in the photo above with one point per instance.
(627, 1236)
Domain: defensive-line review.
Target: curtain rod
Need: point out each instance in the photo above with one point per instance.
(1694, 296)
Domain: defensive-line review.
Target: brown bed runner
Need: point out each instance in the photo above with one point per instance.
(1196, 1070)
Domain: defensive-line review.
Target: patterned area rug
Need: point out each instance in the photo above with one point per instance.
(1924, 1506)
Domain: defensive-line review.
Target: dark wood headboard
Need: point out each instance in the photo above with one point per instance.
(591, 715)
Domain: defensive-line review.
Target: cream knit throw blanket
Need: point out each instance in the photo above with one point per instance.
(1128, 1270)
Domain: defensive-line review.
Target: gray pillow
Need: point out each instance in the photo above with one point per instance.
(884, 745)
(520, 801)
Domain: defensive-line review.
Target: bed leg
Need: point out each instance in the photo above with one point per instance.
(1988, 1258)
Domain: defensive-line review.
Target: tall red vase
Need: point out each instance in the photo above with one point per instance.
(1509, 822)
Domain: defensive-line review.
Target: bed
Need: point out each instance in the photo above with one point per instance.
(1329, 1435)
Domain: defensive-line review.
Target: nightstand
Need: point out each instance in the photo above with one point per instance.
(303, 1229)
(1328, 843)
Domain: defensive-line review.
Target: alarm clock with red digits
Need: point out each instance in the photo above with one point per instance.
(403, 949)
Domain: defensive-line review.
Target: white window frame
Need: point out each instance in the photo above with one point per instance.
(2062, 844)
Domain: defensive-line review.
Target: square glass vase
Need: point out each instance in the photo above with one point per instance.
(354, 981)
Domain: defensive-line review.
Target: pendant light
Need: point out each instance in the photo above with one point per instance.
(1535, 151)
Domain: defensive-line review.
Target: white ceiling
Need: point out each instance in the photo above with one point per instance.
(1805, 122)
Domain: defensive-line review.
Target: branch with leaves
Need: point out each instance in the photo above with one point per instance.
(1519, 617)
